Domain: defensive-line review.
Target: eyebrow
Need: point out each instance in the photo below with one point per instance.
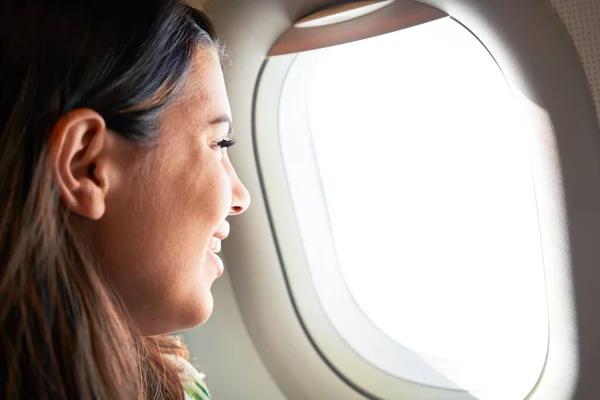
(223, 119)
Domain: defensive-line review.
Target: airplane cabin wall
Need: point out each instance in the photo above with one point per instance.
(253, 312)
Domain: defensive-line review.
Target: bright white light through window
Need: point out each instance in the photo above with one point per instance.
(431, 201)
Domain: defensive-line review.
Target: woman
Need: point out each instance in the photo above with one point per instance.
(115, 186)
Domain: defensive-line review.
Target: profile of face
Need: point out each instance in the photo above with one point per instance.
(154, 215)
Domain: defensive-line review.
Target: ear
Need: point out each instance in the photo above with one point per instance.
(76, 157)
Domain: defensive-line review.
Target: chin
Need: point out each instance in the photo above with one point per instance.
(199, 313)
(189, 315)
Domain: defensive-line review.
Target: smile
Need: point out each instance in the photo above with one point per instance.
(215, 245)
(220, 235)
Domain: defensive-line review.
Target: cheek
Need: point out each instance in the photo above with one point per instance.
(213, 197)
(199, 193)
(183, 204)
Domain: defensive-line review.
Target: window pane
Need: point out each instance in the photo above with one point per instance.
(430, 198)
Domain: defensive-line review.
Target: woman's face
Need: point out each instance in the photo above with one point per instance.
(166, 212)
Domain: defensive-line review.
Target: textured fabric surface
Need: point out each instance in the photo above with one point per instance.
(582, 20)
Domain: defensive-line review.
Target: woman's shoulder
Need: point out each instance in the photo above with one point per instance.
(192, 380)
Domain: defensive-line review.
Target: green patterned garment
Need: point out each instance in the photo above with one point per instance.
(193, 381)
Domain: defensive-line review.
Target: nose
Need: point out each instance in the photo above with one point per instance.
(240, 197)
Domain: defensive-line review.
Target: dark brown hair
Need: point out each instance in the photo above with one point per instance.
(64, 333)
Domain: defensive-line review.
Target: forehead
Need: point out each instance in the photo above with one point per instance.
(204, 95)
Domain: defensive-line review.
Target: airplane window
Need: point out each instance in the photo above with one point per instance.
(424, 174)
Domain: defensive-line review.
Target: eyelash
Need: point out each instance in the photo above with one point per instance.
(226, 143)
